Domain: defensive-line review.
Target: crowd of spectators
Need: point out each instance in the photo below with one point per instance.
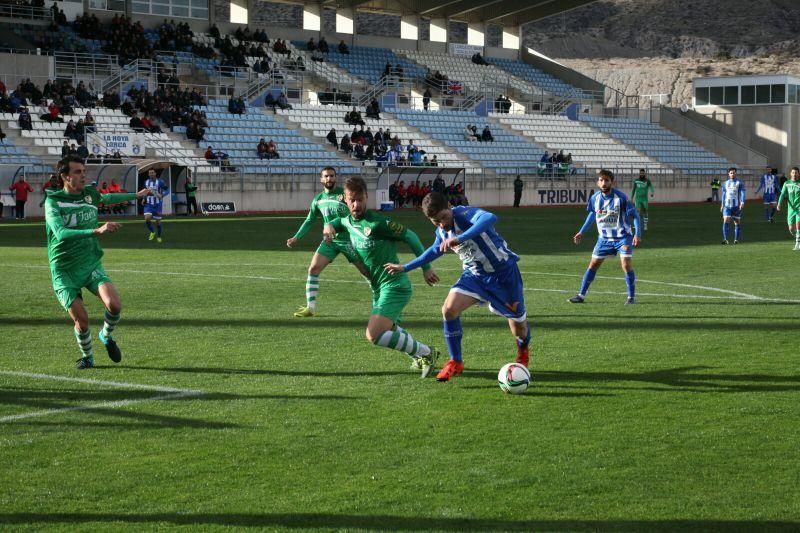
(556, 163)
(502, 104)
(121, 36)
(471, 133)
(267, 150)
(412, 195)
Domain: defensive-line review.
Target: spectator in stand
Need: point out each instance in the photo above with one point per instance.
(272, 150)
(214, 31)
(311, 45)
(486, 135)
(438, 183)
(346, 146)
(136, 123)
(24, 119)
(80, 131)
(322, 46)
(88, 121)
(332, 138)
(83, 152)
(64, 149)
(269, 101)
(343, 48)
(426, 98)
(317, 56)
(374, 110)
(369, 138)
(53, 114)
(261, 149)
(478, 59)
(283, 102)
(468, 134)
(209, 155)
(353, 118)
(69, 130)
(73, 149)
(401, 194)
(435, 162)
(21, 188)
(236, 105)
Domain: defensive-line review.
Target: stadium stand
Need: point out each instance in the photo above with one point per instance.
(588, 147)
(318, 121)
(369, 63)
(508, 154)
(536, 76)
(660, 144)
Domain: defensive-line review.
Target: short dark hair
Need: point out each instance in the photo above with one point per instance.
(732, 168)
(355, 184)
(605, 174)
(642, 170)
(330, 169)
(433, 203)
(795, 168)
(63, 166)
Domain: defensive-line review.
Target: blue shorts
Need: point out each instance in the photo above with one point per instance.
(501, 290)
(155, 210)
(610, 247)
(733, 212)
(770, 198)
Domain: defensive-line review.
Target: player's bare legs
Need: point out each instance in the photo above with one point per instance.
(522, 334)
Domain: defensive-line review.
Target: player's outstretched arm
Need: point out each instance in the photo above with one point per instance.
(108, 227)
(331, 229)
(578, 237)
(55, 223)
(306, 225)
(481, 221)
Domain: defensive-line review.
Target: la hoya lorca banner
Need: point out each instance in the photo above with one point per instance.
(128, 144)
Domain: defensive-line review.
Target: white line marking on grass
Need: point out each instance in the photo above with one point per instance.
(733, 295)
(173, 394)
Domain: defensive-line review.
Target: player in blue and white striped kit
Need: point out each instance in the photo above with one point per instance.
(490, 274)
(154, 203)
(771, 186)
(611, 210)
(733, 195)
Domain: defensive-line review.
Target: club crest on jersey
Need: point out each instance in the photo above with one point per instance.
(87, 199)
(340, 197)
(367, 231)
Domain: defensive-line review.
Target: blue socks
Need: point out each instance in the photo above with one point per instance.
(737, 231)
(630, 281)
(149, 226)
(158, 226)
(452, 335)
(724, 231)
(588, 278)
(522, 343)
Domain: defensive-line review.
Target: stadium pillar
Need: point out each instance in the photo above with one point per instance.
(511, 38)
(409, 27)
(438, 30)
(476, 34)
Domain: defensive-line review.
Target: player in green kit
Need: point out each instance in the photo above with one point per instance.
(374, 239)
(330, 204)
(74, 253)
(791, 191)
(641, 187)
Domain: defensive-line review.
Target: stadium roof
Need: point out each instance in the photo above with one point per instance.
(504, 12)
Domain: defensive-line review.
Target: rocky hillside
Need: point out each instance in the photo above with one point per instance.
(657, 46)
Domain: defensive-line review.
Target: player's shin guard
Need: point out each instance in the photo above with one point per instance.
(84, 339)
(158, 229)
(766, 213)
(109, 323)
(724, 231)
(737, 231)
(312, 289)
(630, 281)
(402, 341)
(588, 278)
(452, 336)
(150, 227)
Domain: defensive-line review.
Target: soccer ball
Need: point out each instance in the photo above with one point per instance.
(514, 378)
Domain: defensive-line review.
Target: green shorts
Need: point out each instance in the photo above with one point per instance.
(334, 248)
(793, 217)
(640, 204)
(390, 301)
(68, 285)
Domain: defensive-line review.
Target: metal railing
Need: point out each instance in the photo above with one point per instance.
(25, 12)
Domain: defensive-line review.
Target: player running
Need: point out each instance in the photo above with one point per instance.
(154, 203)
(330, 204)
(374, 239)
(731, 207)
(641, 187)
(770, 185)
(74, 253)
(611, 209)
(791, 191)
(490, 275)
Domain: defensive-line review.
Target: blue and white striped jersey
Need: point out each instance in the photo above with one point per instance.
(612, 214)
(159, 189)
(770, 184)
(732, 193)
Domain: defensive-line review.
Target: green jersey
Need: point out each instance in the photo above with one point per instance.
(71, 220)
(641, 189)
(791, 191)
(331, 206)
(191, 190)
(374, 239)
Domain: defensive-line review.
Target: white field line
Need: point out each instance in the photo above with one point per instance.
(732, 295)
(172, 394)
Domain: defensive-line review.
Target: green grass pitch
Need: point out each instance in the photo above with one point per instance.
(679, 413)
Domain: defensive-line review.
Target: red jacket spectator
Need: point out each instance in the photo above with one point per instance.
(21, 188)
